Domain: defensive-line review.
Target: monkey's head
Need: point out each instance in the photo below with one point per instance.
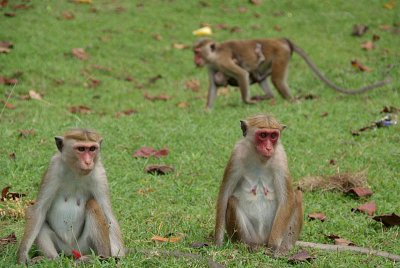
(203, 50)
(80, 149)
(264, 132)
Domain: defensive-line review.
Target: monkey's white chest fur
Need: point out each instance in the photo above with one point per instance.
(67, 214)
(257, 202)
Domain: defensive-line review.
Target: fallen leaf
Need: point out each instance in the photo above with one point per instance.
(120, 9)
(81, 109)
(301, 256)
(324, 114)
(242, 9)
(145, 191)
(332, 162)
(235, 29)
(180, 46)
(11, 238)
(147, 152)
(182, 104)
(154, 79)
(159, 169)
(389, 220)
(390, 110)
(356, 64)
(317, 216)
(83, 1)
(256, 2)
(4, 192)
(368, 45)
(157, 37)
(9, 14)
(80, 53)
(259, 98)
(12, 156)
(68, 15)
(8, 105)
(162, 97)
(3, 3)
(8, 81)
(165, 239)
(5, 46)
(21, 6)
(360, 191)
(223, 91)
(277, 28)
(199, 244)
(359, 29)
(390, 5)
(385, 27)
(343, 242)
(92, 83)
(369, 208)
(375, 38)
(126, 112)
(27, 132)
(193, 85)
(34, 95)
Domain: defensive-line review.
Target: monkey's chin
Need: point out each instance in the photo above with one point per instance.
(84, 171)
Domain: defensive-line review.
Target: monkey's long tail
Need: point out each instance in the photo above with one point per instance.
(393, 257)
(315, 69)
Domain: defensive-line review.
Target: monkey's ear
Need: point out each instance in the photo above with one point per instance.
(243, 126)
(59, 142)
(100, 142)
(283, 127)
(212, 46)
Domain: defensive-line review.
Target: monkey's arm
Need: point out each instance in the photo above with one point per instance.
(212, 89)
(103, 198)
(231, 178)
(36, 215)
(283, 214)
(242, 77)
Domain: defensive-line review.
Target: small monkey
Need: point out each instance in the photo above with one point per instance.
(240, 63)
(73, 208)
(257, 204)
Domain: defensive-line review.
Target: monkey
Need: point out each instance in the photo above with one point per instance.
(237, 61)
(257, 204)
(73, 209)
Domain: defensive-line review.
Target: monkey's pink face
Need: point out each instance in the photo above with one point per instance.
(86, 153)
(266, 140)
(198, 59)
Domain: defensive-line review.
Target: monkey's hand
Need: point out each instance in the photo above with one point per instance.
(23, 257)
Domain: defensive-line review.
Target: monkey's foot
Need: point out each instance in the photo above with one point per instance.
(37, 259)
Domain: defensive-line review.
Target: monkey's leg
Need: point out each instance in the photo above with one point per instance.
(95, 234)
(279, 75)
(238, 226)
(295, 225)
(267, 90)
(47, 241)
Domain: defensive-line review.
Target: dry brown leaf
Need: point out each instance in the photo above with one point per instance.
(81, 109)
(159, 169)
(343, 242)
(145, 191)
(92, 83)
(182, 105)
(80, 53)
(390, 5)
(8, 81)
(389, 220)
(157, 37)
(7, 104)
(385, 27)
(193, 85)
(301, 256)
(369, 208)
(359, 29)
(26, 133)
(180, 46)
(12, 156)
(359, 191)
(368, 45)
(11, 238)
(375, 38)
(277, 28)
(5, 46)
(126, 112)
(223, 91)
(67, 15)
(171, 239)
(317, 216)
(256, 2)
(34, 95)
(162, 97)
(146, 152)
(356, 64)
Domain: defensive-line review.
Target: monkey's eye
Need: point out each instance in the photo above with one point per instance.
(274, 135)
(92, 148)
(263, 135)
(81, 149)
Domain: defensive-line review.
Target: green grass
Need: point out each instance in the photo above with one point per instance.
(200, 142)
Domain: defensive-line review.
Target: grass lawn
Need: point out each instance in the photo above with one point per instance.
(135, 48)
